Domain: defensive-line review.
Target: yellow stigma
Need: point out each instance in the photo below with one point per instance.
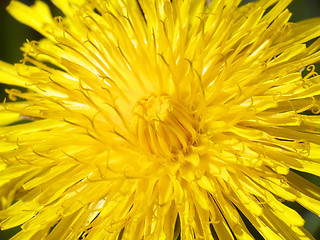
(163, 126)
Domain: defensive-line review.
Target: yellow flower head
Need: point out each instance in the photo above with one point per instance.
(158, 119)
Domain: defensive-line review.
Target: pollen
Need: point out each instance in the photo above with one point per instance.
(163, 126)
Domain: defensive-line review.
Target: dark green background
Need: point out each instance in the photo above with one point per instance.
(14, 34)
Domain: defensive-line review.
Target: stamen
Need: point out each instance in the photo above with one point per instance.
(163, 126)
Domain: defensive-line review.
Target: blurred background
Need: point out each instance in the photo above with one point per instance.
(13, 35)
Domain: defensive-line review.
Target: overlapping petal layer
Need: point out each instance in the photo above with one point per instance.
(152, 119)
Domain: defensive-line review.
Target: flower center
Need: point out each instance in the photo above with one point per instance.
(163, 126)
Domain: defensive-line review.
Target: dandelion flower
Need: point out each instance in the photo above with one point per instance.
(158, 119)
